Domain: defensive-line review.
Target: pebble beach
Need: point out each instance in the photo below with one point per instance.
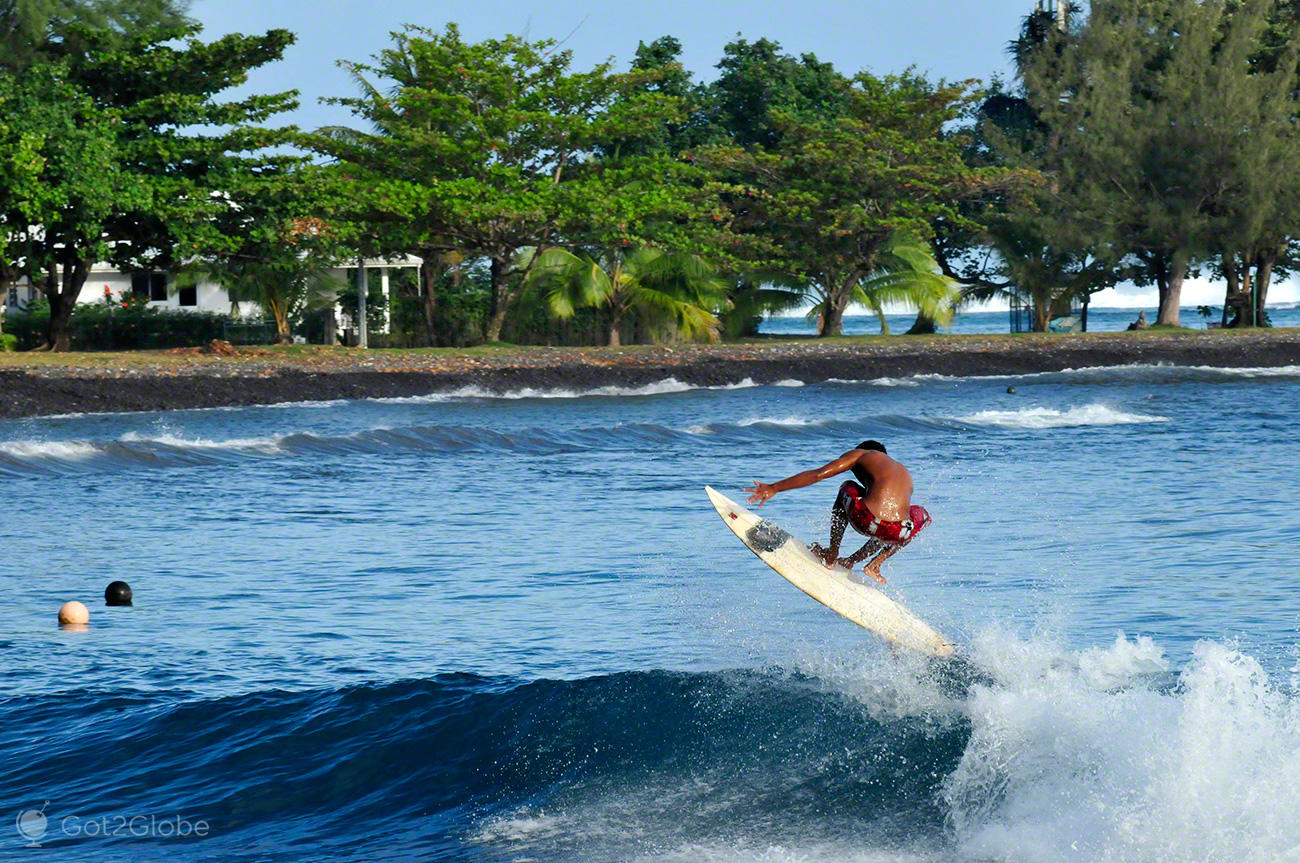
(38, 384)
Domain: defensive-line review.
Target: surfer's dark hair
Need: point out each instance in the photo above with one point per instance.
(872, 444)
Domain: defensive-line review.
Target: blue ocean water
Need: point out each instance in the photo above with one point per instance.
(499, 628)
(970, 321)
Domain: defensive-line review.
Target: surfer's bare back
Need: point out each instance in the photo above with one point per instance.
(880, 508)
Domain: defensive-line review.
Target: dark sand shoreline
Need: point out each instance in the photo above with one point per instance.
(167, 381)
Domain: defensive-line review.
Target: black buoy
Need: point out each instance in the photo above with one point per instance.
(1011, 390)
(117, 593)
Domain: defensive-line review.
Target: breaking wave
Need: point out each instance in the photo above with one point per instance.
(1047, 418)
(134, 449)
(1024, 752)
(1130, 373)
(665, 386)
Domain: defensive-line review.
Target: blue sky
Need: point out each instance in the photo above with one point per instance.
(944, 38)
(947, 39)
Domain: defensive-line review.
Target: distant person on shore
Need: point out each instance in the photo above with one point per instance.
(880, 507)
(1141, 322)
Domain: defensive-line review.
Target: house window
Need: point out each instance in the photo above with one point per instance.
(158, 287)
(188, 296)
(150, 286)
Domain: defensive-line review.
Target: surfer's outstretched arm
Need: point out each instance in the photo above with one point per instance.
(762, 491)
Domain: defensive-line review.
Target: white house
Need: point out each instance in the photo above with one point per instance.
(159, 287)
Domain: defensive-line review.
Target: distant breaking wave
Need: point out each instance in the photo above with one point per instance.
(1047, 418)
(1155, 373)
(135, 450)
(665, 386)
(1134, 372)
(1158, 372)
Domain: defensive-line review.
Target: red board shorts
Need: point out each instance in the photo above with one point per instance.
(853, 500)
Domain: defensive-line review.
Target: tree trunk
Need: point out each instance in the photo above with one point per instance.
(1042, 314)
(615, 320)
(836, 303)
(1263, 275)
(496, 318)
(1172, 291)
(1234, 282)
(429, 293)
(923, 326)
(280, 312)
(62, 290)
(331, 326)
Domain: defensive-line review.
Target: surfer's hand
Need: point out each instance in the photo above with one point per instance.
(760, 492)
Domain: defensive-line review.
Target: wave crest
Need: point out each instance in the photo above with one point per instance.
(1046, 418)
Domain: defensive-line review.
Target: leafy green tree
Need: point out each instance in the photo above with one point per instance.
(1256, 223)
(1030, 242)
(32, 30)
(756, 81)
(824, 206)
(152, 160)
(1159, 110)
(487, 149)
(657, 71)
(762, 92)
(37, 111)
(60, 186)
(280, 252)
(680, 287)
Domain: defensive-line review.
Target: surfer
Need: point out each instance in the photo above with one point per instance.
(880, 507)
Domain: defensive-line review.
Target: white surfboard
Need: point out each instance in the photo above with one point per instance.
(863, 604)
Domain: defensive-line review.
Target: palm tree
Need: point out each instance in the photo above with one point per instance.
(906, 273)
(656, 284)
(753, 295)
(284, 281)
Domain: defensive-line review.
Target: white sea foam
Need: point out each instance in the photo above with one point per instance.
(784, 422)
(803, 852)
(667, 385)
(317, 403)
(1130, 371)
(1045, 418)
(1251, 371)
(1087, 758)
(519, 827)
(908, 381)
(1109, 753)
(81, 450)
(72, 450)
(787, 421)
(268, 444)
(742, 384)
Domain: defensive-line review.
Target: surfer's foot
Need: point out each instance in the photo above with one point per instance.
(824, 555)
(873, 573)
